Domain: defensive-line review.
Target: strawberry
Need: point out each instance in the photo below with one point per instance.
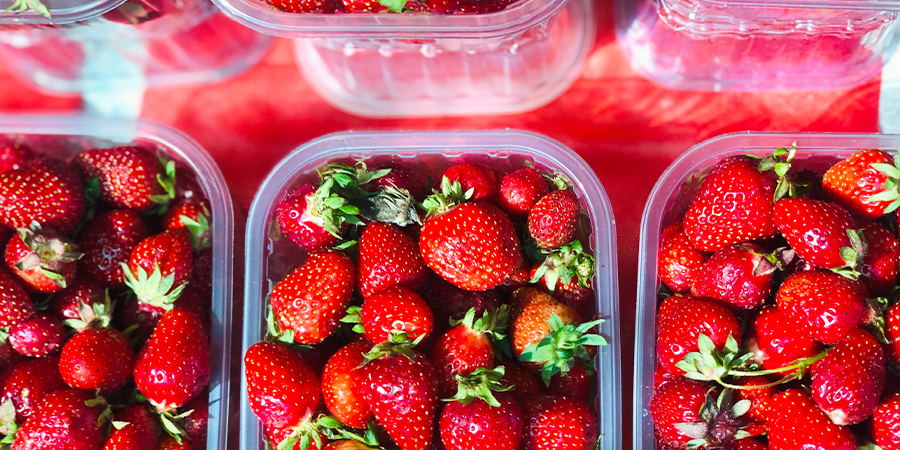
(472, 423)
(202, 277)
(864, 183)
(187, 189)
(193, 216)
(388, 257)
(400, 177)
(553, 222)
(171, 443)
(347, 444)
(43, 259)
(675, 403)
(823, 305)
(29, 383)
(129, 177)
(566, 273)
(466, 347)
(97, 359)
(576, 384)
(678, 335)
(892, 334)
(739, 275)
(523, 383)
(818, 232)
(881, 262)
(734, 204)
(14, 155)
(311, 300)
(107, 241)
(137, 316)
(521, 190)
(173, 366)
(196, 423)
(847, 384)
(283, 391)
(15, 305)
(9, 358)
(661, 377)
(678, 261)
(886, 422)
(758, 391)
(449, 302)
(475, 177)
(315, 218)
(795, 422)
(400, 388)
(396, 308)
(775, 342)
(669, 309)
(37, 336)
(472, 245)
(46, 191)
(342, 385)
(80, 302)
(159, 267)
(133, 429)
(558, 423)
(68, 419)
(745, 444)
(478, 6)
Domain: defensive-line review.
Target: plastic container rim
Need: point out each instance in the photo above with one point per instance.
(871, 5)
(79, 13)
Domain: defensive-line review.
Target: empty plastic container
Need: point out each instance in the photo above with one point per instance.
(758, 44)
(669, 200)
(270, 257)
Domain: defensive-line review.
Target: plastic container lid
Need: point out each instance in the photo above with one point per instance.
(268, 260)
(670, 198)
(61, 12)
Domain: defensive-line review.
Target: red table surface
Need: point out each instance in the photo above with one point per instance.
(627, 128)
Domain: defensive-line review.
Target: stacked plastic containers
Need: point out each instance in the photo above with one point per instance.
(64, 136)
(422, 64)
(269, 257)
(91, 47)
(669, 200)
(758, 44)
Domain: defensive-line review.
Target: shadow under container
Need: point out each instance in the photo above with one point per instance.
(62, 137)
(269, 257)
(758, 45)
(668, 202)
(412, 64)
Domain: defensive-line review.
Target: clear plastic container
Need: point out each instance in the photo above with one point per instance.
(268, 260)
(669, 200)
(383, 65)
(64, 136)
(753, 45)
(61, 12)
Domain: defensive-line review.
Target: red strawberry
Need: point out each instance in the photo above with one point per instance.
(97, 359)
(669, 309)
(132, 313)
(107, 241)
(881, 262)
(134, 429)
(37, 336)
(892, 334)
(847, 384)
(856, 181)
(130, 177)
(41, 258)
(15, 305)
(745, 444)
(187, 188)
(14, 155)
(575, 385)
(196, 423)
(817, 231)
(886, 423)
(678, 261)
(521, 190)
(676, 402)
(735, 204)
(523, 383)
(400, 176)
(283, 391)
(9, 358)
(311, 300)
(193, 216)
(170, 443)
(342, 385)
(347, 445)
(558, 423)
(775, 342)
(465, 348)
(29, 383)
(823, 305)
(553, 222)
(76, 302)
(758, 392)
(174, 364)
(388, 257)
(481, 180)
(66, 420)
(202, 278)
(739, 275)
(661, 377)
(678, 335)
(449, 302)
(795, 422)
(308, 218)
(159, 268)
(46, 191)
(478, 6)
(476, 424)
(396, 308)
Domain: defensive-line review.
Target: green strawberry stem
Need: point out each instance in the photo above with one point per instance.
(302, 437)
(334, 430)
(35, 5)
(48, 252)
(154, 289)
(274, 331)
(388, 204)
(167, 181)
(721, 420)
(891, 192)
(172, 424)
(563, 345)
(334, 209)
(780, 163)
(481, 383)
(853, 255)
(563, 264)
(443, 200)
(98, 315)
(8, 425)
(354, 316)
(493, 323)
(198, 229)
(398, 344)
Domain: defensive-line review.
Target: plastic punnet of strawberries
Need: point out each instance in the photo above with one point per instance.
(104, 298)
(778, 325)
(389, 6)
(454, 319)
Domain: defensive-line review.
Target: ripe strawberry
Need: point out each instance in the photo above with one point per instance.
(107, 241)
(576, 384)
(9, 358)
(311, 300)
(676, 402)
(758, 391)
(553, 222)
(77, 302)
(399, 176)
(523, 383)
(29, 383)
(97, 359)
(196, 423)
(823, 305)
(66, 420)
(886, 422)
(134, 313)
(678, 261)
(46, 191)
(130, 177)
(43, 259)
(858, 183)
(388, 257)
(892, 334)
(521, 190)
(449, 302)
(474, 423)
(465, 348)
(661, 377)
(774, 340)
(173, 366)
(558, 423)
(530, 317)
(745, 444)
(478, 6)
(669, 309)
(315, 218)
(739, 275)
(396, 308)
(159, 267)
(193, 216)
(202, 277)
(881, 263)
(15, 305)
(37, 336)
(480, 179)
(847, 384)
(186, 186)
(347, 444)
(795, 422)
(817, 231)
(170, 443)
(342, 385)
(678, 335)
(134, 429)
(14, 155)
(735, 204)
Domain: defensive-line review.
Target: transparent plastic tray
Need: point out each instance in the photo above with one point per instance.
(61, 12)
